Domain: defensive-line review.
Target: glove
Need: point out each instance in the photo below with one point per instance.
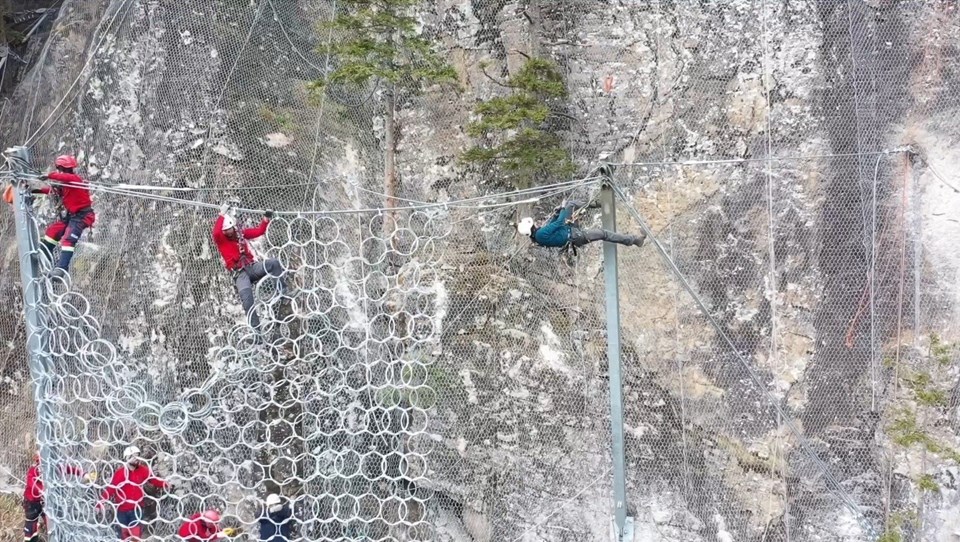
(229, 531)
(224, 208)
(43, 177)
(268, 214)
(90, 477)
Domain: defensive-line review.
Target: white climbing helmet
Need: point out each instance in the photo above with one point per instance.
(131, 453)
(229, 222)
(525, 226)
(273, 499)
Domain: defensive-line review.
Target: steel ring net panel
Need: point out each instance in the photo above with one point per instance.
(329, 407)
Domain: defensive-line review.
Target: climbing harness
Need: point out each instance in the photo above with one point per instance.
(569, 249)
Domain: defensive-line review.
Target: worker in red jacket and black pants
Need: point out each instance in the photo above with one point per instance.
(78, 215)
(126, 492)
(33, 498)
(240, 260)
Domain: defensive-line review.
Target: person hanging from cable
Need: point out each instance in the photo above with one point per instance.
(562, 230)
(241, 262)
(33, 495)
(75, 216)
(204, 526)
(126, 492)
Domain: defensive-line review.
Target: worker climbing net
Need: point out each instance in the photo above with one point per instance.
(326, 405)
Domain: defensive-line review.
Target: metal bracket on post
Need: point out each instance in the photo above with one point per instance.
(622, 523)
(30, 274)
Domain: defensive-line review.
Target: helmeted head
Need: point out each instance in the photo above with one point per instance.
(66, 162)
(525, 227)
(230, 226)
(131, 455)
(211, 517)
(36, 457)
(274, 503)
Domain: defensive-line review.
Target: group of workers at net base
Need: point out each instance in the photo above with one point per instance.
(126, 490)
(132, 495)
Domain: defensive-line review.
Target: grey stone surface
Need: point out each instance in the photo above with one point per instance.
(520, 423)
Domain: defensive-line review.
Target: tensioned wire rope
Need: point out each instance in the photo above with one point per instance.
(655, 163)
(802, 441)
(44, 128)
(788, 158)
(774, 351)
(475, 202)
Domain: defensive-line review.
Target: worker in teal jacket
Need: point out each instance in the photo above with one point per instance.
(559, 234)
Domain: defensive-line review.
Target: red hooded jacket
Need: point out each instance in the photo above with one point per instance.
(34, 490)
(237, 253)
(75, 195)
(126, 487)
(196, 529)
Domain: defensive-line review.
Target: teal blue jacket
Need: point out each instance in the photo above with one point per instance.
(556, 233)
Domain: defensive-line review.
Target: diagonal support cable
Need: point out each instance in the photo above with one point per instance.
(803, 442)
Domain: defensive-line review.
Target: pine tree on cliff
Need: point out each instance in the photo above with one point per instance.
(381, 42)
(516, 132)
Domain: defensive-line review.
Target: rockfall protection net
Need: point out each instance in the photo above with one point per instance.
(439, 379)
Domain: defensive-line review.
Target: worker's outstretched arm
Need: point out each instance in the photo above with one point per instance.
(253, 233)
(157, 482)
(71, 469)
(65, 178)
(108, 492)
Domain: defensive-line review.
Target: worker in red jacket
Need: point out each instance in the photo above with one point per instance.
(202, 527)
(240, 260)
(77, 215)
(33, 497)
(126, 493)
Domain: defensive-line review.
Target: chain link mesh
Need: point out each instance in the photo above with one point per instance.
(435, 378)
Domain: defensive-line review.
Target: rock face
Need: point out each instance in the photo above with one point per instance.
(807, 392)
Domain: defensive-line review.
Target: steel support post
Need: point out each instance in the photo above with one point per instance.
(622, 523)
(31, 283)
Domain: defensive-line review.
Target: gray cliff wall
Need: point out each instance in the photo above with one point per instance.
(781, 252)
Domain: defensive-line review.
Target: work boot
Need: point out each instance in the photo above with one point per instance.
(639, 239)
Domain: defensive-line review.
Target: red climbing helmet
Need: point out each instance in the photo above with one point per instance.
(66, 161)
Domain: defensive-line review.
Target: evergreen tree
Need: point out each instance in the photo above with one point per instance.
(381, 42)
(515, 129)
